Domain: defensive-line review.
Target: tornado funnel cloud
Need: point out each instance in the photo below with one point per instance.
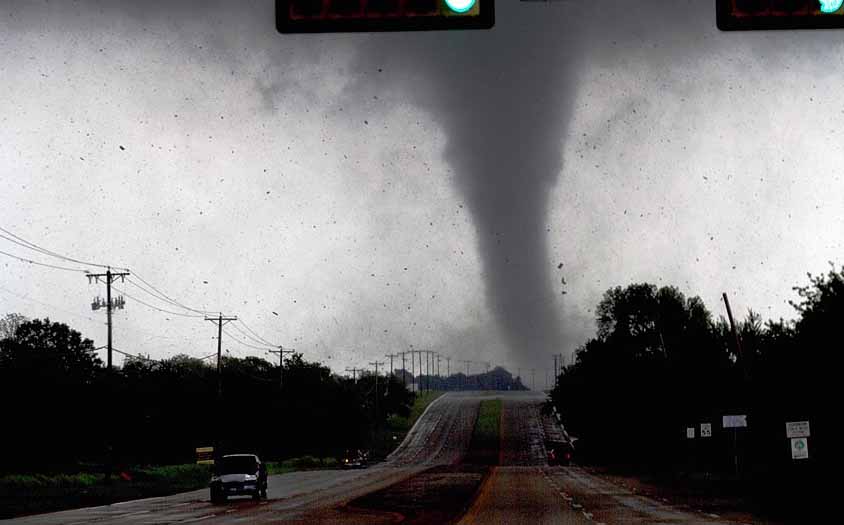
(501, 97)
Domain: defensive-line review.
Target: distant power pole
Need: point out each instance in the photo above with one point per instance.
(354, 373)
(376, 364)
(439, 358)
(391, 356)
(413, 369)
(108, 304)
(403, 369)
(466, 381)
(281, 351)
(448, 366)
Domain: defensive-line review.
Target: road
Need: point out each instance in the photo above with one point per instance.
(423, 472)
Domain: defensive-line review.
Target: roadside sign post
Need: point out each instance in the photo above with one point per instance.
(690, 432)
(705, 430)
(798, 432)
(735, 422)
(799, 448)
(205, 455)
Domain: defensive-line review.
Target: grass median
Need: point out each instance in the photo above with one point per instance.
(486, 436)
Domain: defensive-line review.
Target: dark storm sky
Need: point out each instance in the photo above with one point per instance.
(378, 191)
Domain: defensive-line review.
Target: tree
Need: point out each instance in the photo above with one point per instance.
(49, 375)
(9, 324)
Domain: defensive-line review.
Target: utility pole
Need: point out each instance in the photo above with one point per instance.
(429, 359)
(413, 370)
(448, 366)
(403, 369)
(109, 305)
(439, 358)
(466, 381)
(376, 364)
(281, 351)
(110, 277)
(555, 370)
(391, 356)
(354, 373)
(739, 353)
(420, 368)
(220, 320)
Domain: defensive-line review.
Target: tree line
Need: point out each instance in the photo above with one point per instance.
(660, 364)
(63, 408)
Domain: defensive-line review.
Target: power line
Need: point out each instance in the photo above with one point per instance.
(45, 251)
(253, 339)
(170, 299)
(30, 261)
(254, 333)
(155, 307)
(236, 340)
(27, 298)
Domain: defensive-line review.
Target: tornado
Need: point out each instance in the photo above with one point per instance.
(503, 99)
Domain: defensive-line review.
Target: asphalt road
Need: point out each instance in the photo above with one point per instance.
(522, 489)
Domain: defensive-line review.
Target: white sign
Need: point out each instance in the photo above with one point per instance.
(797, 429)
(735, 421)
(690, 432)
(705, 430)
(800, 448)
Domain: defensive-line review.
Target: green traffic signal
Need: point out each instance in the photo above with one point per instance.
(461, 6)
(830, 6)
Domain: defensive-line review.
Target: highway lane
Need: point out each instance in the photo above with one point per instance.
(524, 490)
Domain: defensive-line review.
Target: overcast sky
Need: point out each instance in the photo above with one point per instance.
(352, 195)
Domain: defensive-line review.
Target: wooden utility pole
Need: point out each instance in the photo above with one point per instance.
(376, 364)
(391, 356)
(109, 305)
(220, 320)
(354, 373)
(281, 351)
(739, 353)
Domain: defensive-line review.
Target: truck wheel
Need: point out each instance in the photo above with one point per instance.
(217, 497)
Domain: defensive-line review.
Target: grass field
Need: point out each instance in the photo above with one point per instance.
(35, 493)
(22, 494)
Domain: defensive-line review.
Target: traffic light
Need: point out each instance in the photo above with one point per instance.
(779, 14)
(340, 16)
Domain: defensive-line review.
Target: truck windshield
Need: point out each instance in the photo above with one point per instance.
(237, 465)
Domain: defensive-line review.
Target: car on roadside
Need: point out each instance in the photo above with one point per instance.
(355, 459)
(238, 475)
(559, 453)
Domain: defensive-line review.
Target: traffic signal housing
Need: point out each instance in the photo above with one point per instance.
(779, 14)
(341, 16)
